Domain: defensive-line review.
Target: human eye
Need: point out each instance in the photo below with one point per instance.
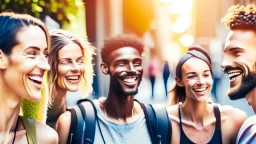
(46, 55)
(65, 62)
(80, 61)
(137, 63)
(120, 63)
(191, 76)
(31, 54)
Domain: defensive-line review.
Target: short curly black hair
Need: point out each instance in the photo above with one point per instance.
(117, 42)
(241, 17)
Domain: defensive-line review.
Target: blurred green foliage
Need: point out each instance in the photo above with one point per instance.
(61, 11)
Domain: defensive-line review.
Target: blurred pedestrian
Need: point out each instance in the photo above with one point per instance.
(152, 68)
(166, 74)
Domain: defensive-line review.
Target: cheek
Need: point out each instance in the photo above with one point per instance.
(82, 68)
(62, 70)
(25, 66)
(190, 83)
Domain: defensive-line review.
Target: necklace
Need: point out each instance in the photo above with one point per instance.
(15, 130)
(116, 117)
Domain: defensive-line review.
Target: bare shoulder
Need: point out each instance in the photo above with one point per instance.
(64, 119)
(63, 123)
(235, 114)
(173, 112)
(63, 126)
(46, 134)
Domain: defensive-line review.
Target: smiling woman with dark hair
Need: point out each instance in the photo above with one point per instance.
(194, 119)
(24, 45)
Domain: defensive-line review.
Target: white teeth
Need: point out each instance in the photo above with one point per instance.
(72, 77)
(233, 73)
(130, 80)
(36, 78)
(200, 89)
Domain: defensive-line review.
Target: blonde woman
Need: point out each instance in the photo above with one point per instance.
(71, 66)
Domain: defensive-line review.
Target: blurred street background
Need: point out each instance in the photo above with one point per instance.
(166, 27)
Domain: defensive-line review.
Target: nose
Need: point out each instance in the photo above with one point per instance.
(226, 62)
(201, 80)
(43, 63)
(75, 67)
(132, 68)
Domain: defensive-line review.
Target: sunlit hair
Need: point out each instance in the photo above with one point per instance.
(60, 38)
(11, 23)
(117, 42)
(241, 17)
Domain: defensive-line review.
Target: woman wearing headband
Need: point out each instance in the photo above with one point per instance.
(194, 119)
(24, 45)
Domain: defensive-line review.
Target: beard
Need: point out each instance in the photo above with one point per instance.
(248, 83)
(121, 89)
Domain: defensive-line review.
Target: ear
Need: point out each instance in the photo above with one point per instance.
(3, 60)
(104, 68)
(179, 82)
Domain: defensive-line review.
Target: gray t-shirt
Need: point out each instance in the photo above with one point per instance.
(135, 132)
(247, 133)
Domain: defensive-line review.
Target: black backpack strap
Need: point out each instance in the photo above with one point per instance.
(158, 123)
(76, 126)
(164, 127)
(89, 114)
(150, 120)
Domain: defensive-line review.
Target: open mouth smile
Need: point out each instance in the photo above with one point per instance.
(73, 78)
(37, 80)
(233, 74)
(200, 89)
(129, 80)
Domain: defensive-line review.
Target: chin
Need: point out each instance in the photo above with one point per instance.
(72, 89)
(36, 96)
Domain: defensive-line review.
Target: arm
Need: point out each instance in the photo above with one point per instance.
(63, 126)
(247, 133)
(45, 134)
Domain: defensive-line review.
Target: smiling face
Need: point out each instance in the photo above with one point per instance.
(196, 78)
(70, 67)
(125, 69)
(239, 62)
(27, 63)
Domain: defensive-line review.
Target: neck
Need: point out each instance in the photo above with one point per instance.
(60, 98)
(195, 111)
(119, 106)
(10, 108)
(251, 97)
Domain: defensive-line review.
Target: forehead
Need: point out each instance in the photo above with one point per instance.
(194, 65)
(124, 53)
(241, 38)
(70, 50)
(32, 36)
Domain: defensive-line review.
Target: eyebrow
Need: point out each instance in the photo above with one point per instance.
(234, 48)
(34, 47)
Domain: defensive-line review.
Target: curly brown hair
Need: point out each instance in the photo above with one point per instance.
(241, 17)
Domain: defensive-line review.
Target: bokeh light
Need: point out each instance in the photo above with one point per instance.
(187, 40)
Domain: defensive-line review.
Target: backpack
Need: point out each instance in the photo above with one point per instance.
(84, 118)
